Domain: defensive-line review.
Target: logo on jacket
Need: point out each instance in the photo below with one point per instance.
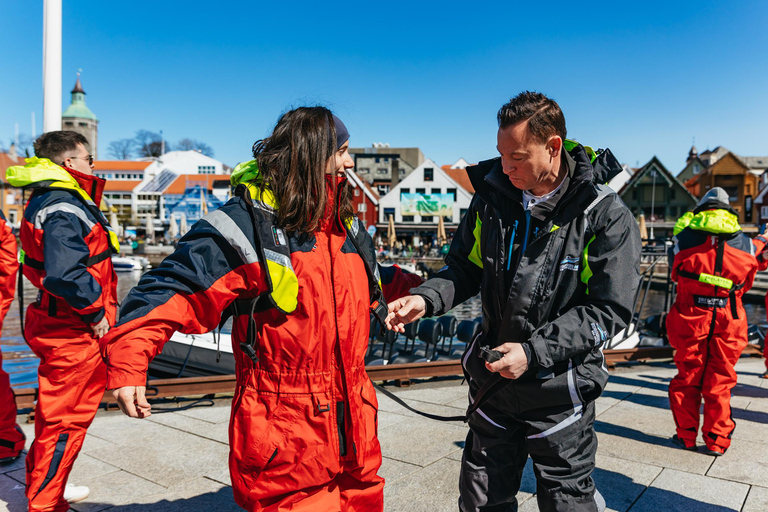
(570, 264)
(710, 302)
(599, 335)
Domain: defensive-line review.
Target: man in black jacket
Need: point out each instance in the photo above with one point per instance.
(555, 255)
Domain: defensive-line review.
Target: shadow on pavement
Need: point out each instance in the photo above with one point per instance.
(220, 501)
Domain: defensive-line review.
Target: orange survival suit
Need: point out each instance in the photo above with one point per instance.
(713, 264)
(66, 253)
(11, 437)
(304, 414)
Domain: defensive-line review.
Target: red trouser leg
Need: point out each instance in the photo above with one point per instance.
(11, 436)
(685, 388)
(72, 379)
(719, 379)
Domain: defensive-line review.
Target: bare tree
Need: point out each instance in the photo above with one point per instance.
(25, 146)
(187, 144)
(122, 149)
(148, 143)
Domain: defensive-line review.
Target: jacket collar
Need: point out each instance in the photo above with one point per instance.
(41, 172)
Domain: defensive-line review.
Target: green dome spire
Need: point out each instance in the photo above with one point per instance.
(78, 107)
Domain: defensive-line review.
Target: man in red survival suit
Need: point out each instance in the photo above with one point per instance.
(66, 253)
(11, 437)
(714, 264)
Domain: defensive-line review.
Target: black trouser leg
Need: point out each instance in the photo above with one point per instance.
(563, 448)
(492, 466)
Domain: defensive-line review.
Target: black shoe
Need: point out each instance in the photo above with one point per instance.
(715, 452)
(679, 442)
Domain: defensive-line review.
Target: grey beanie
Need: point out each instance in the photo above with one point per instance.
(715, 194)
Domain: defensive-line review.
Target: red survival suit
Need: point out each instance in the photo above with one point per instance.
(714, 264)
(66, 253)
(304, 415)
(11, 437)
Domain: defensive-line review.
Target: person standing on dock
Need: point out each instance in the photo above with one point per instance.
(11, 436)
(67, 246)
(714, 264)
(289, 260)
(555, 255)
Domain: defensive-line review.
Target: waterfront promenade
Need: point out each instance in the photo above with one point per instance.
(177, 461)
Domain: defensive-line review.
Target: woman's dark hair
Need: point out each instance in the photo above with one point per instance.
(543, 114)
(292, 163)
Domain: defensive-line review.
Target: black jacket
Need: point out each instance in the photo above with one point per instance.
(570, 290)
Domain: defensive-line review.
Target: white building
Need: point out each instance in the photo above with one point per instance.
(428, 178)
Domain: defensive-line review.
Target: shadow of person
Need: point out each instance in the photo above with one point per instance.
(220, 501)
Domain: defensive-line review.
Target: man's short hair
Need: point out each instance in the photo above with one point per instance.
(53, 145)
(543, 114)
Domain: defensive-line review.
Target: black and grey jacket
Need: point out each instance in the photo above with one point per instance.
(559, 278)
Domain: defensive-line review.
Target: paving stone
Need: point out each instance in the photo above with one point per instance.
(745, 461)
(393, 470)
(168, 457)
(438, 395)
(647, 421)
(15, 465)
(420, 441)
(214, 431)
(621, 481)
(604, 403)
(435, 490)
(91, 442)
(635, 445)
(386, 418)
(220, 412)
(757, 500)
(86, 468)
(12, 497)
(118, 428)
(678, 491)
(389, 405)
(118, 488)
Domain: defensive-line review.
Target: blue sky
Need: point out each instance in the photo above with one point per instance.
(641, 78)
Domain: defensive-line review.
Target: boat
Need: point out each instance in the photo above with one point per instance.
(195, 355)
(126, 264)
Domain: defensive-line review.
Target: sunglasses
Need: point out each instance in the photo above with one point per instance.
(89, 158)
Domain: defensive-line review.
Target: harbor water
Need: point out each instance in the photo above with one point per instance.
(21, 363)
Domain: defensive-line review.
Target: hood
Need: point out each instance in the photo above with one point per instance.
(248, 174)
(41, 172)
(717, 222)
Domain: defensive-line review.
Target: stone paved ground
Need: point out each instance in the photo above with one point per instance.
(178, 461)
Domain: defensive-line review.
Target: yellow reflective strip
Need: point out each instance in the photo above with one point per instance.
(285, 286)
(586, 272)
(555, 227)
(21, 256)
(114, 241)
(475, 255)
(722, 282)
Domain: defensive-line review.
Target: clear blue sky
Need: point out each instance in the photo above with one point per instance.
(642, 78)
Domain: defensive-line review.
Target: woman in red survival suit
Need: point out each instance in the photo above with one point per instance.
(304, 414)
(11, 436)
(713, 264)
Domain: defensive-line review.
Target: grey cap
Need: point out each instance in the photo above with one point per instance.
(715, 194)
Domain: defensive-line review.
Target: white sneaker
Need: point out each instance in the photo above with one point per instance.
(75, 493)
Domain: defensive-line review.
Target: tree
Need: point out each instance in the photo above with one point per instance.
(25, 146)
(122, 149)
(187, 144)
(149, 143)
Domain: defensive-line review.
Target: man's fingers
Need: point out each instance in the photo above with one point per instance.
(124, 397)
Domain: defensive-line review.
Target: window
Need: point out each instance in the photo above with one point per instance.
(69, 124)
(448, 218)
(362, 208)
(695, 168)
(357, 192)
(429, 174)
(452, 192)
(382, 170)
(401, 171)
(763, 212)
(436, 191)
(83, 125)
(462, 213)
(12, 216)
(363, 170)
(388, 212)
(404, 191)
(421, 191)
(427, 218)
(407, 218)
(672, 193)
(378, 160)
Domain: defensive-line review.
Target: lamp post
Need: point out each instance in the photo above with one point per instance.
(653, 200)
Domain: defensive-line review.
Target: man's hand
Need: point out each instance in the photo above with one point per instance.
(404, 311)
(513, 364)
(100, 328)
(132, 401)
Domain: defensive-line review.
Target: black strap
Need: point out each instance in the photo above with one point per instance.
(378, 304)
(20, 295)
(397, 399)
(493, 385)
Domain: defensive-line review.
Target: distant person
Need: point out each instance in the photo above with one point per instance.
(761, 245)
(298, 271)
(714, 264)
(67, 246)
(11, 436)
(555, 256)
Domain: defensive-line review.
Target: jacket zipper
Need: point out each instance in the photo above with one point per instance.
(340, 406)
